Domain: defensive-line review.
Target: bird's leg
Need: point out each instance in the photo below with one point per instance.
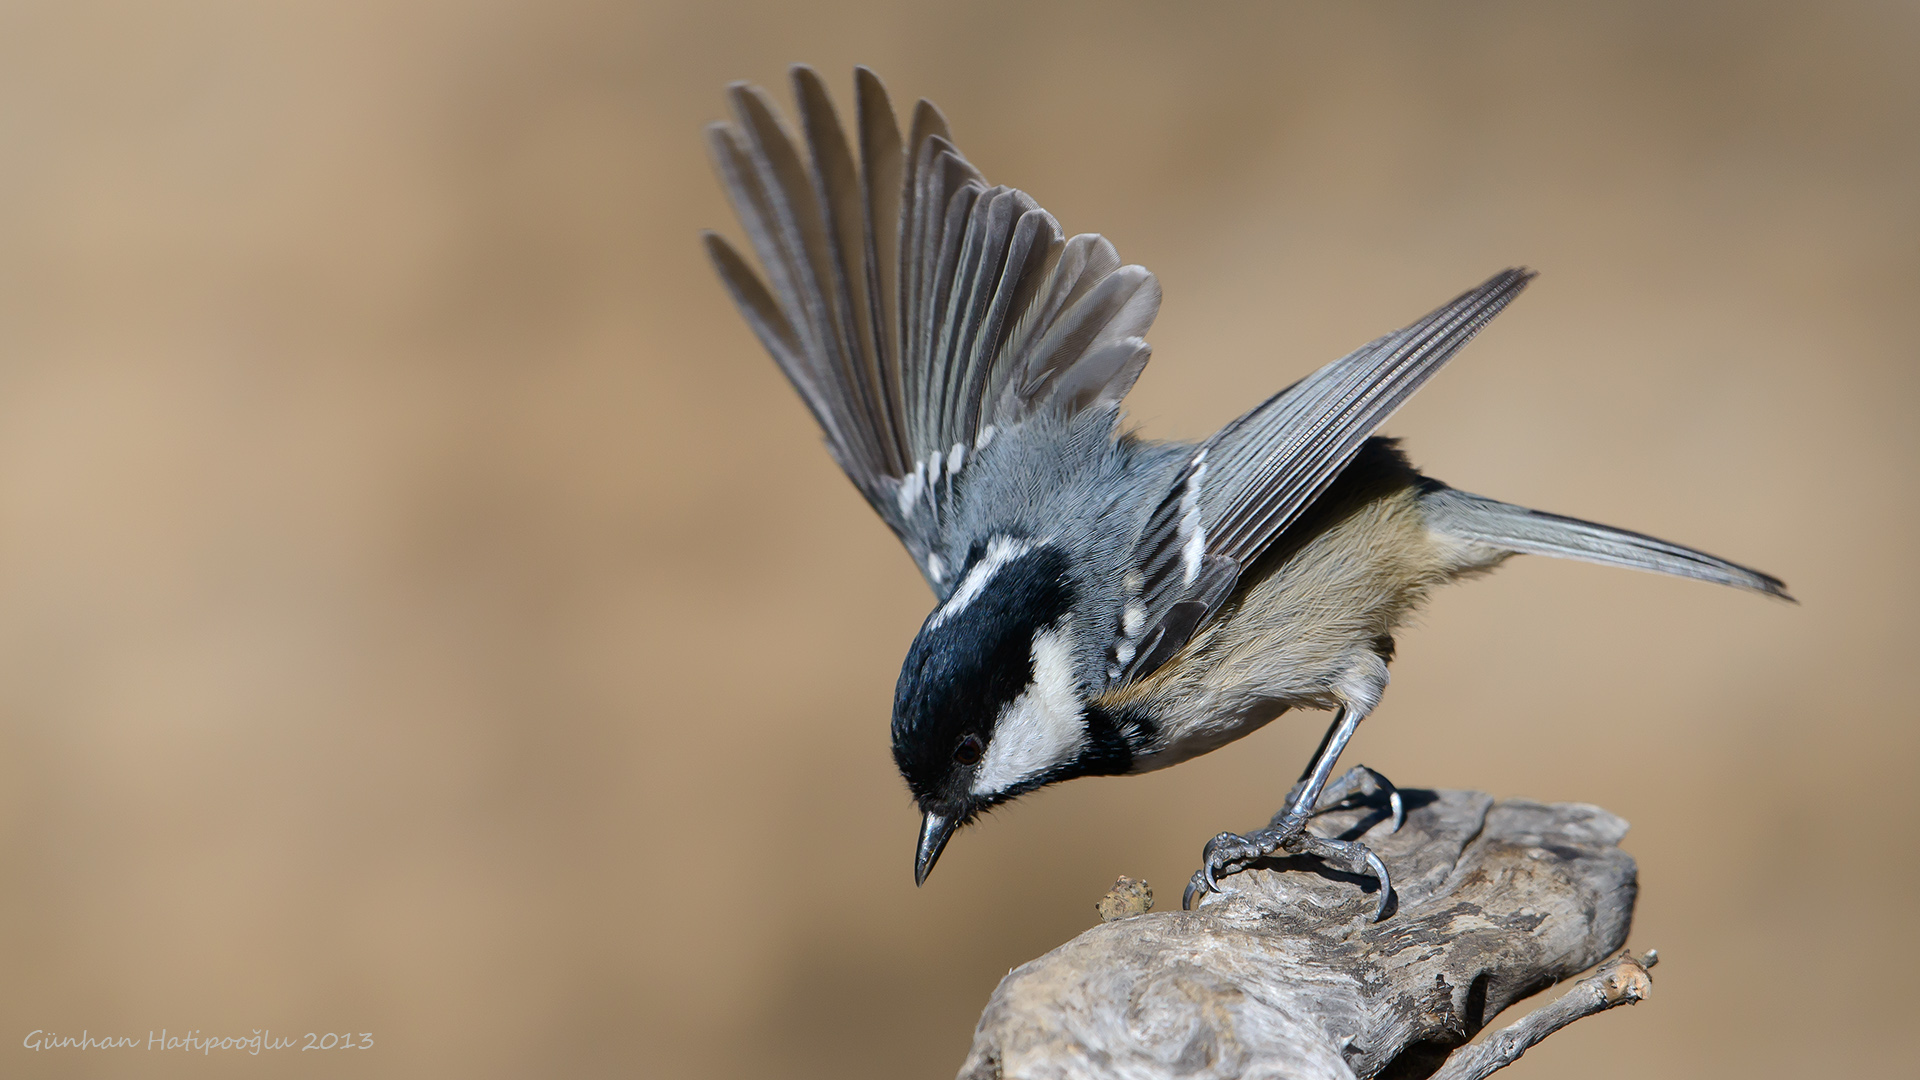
(1231, 852)
(1356, 786)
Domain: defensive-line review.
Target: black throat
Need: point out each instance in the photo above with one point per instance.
(1111, 739)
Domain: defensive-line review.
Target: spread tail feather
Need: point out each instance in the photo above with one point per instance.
(1517, 529)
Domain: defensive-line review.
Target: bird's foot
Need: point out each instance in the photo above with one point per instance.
(1230, 853)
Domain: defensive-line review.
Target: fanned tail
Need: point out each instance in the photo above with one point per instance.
(1515, 528)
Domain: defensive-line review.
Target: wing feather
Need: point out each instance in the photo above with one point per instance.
(1255, 477)
(842, 202)
(915, 308)
(1271, 463)
(882, 172)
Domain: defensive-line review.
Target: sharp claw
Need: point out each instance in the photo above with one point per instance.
(1210, 855)
(1386, 883)
(1231, 852)
(1349, 856)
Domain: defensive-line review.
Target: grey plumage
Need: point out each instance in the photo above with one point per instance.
(1266, 467)
(1505, 527)
(1107, 604)
(918, 311)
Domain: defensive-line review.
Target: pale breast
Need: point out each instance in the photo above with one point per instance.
(1307, 631)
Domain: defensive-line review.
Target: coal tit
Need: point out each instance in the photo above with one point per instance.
(1106, 604)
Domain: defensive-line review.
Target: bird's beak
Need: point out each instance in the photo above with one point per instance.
(934, 832)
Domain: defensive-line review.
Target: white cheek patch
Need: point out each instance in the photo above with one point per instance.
(1042, 728)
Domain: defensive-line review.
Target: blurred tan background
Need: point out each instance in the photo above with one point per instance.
(425, 611)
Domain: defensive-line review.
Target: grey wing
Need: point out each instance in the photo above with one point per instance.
(916, 310)
(1253, 478)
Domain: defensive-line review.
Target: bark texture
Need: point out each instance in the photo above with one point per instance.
(1285, 975)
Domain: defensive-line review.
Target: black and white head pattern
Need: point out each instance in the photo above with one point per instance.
(990, 704)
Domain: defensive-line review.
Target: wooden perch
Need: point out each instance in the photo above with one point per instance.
(1285, 975)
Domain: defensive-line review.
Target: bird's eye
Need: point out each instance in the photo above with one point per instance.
(969, 750)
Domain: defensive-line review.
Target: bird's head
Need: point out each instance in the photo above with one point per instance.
(992, 701)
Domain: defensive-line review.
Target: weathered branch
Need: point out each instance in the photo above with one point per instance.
(1622, 980)
(1287, 975)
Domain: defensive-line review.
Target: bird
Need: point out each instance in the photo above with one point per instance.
(1104, 603)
